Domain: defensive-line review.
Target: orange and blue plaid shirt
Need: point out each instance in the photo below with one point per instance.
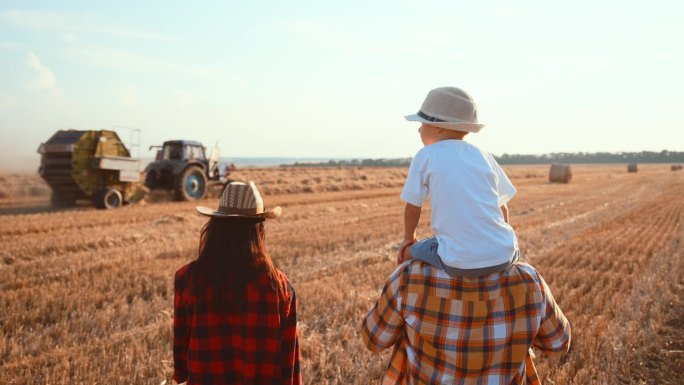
(257, 346)
(461, 330)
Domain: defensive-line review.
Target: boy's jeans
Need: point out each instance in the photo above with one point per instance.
(426, 250)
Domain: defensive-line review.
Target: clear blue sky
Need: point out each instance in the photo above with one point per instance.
(324, 79)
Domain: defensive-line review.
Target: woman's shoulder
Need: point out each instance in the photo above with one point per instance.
(265, 280)
(284, 278)
(183, 273)
(281, 275)
(184, 270)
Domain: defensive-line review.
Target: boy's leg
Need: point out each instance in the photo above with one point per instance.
(426, 250)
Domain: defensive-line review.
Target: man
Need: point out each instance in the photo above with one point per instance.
(464, 330)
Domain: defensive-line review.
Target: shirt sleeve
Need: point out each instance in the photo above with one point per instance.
(416, 186)
(181, 333)
(384, 324)
(291, 373)
(554, 333)
(504, 187)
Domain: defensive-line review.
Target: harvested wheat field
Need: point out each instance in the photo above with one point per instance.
(86, 295)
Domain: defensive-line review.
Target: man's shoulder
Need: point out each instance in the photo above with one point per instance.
(524, 268)
(418, 272)
(523, 273)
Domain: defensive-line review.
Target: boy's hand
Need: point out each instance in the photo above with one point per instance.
(404, 254)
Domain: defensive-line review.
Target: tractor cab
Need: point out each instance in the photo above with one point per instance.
(181, 150)
(182, 166)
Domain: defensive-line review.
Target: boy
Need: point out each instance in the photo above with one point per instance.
(468, 192)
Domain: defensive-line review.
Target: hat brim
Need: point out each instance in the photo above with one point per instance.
(457, 126)
(270, 214)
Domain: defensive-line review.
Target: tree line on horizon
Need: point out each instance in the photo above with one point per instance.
(515, 159)
(594, 157)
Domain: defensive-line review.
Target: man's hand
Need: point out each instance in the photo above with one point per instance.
(404, 254)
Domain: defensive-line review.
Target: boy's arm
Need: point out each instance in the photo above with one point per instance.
(411, 219)
(504, 211)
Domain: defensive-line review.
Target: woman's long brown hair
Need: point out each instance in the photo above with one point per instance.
(232, 253)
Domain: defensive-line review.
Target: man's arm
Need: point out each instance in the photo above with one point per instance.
(554, 333)
(411, 219)
(384, 324)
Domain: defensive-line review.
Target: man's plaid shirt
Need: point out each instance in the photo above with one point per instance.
(459, 330)
(258, 346)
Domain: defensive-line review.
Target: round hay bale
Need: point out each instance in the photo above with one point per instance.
(676, 167)
(632, 167)
(560, 173)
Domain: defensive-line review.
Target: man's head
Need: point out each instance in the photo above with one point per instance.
(449, 108)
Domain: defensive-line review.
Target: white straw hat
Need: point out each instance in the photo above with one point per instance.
(450, 108)
(240, 200)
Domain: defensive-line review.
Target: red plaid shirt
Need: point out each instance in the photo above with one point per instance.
(459, 330)
(258, 346)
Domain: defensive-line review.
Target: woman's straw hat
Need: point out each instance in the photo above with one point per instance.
(240, 200)
(450, 108)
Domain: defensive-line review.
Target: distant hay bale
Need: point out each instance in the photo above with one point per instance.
(632, 167)
(676, 167)
(560, 173)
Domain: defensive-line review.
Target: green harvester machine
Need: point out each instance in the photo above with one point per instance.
(93, 165)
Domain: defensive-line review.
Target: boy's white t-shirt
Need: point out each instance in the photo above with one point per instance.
(466, 187)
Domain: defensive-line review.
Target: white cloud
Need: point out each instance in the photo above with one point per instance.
(66, 24)
(40, 20)
(8, 45)
(133, 34)
(43, 78)
(67, 37)
(115, 59)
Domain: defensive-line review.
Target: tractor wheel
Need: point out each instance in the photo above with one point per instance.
(191, 184)
(58, 200)
(151, 180)
(109, 198)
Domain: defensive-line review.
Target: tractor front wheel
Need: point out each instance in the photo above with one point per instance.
(152, 180)
(191, 185)
(109, 198)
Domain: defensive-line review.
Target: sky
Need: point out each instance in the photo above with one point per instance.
(335, 79)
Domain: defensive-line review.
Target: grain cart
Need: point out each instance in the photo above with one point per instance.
(91, 164)
(182, 167)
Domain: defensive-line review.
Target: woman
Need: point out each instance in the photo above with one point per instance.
(235, 314)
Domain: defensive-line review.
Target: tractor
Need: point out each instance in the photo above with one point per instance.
(181, 166)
